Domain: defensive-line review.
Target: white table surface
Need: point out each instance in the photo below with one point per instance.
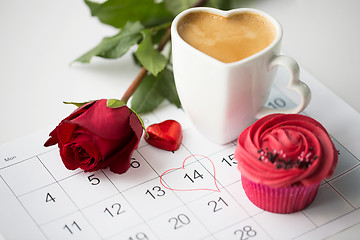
(40, 38)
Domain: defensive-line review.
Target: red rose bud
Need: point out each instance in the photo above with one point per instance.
(95, 136)
(166, 135)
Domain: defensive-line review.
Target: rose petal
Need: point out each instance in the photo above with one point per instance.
(67, 156)
(53, 139)
(105, 122)
(120, 162)
(65, 132)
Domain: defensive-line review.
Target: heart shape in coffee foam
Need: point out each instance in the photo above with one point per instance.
(227, 36)
(191, 176)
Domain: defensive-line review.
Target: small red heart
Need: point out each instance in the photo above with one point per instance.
(166, 135)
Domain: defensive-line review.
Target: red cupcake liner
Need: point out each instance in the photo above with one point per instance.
(279, 200)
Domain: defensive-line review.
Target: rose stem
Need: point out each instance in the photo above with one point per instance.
(135, 84)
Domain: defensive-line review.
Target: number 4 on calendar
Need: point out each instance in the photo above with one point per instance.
(49, 198)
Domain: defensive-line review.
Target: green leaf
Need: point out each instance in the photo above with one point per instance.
(114, 103)
(149, 57)
(78, 104)
(117, 12)
(167, 87)
(224, 4)
(153, 90)
(147, 97)
(116, 46)
(179, 5)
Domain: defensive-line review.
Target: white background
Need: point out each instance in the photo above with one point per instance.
(40, 38)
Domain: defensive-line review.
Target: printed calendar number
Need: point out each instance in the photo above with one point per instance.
(217, 205)
(229, 160)
(195, 176)
(93, 180)
(277, 103)
(116, 209)
(180, 221)
(156, 192)
(139, 236)
(245, 233)
(72, 228)
(134, 163)
(49, 198)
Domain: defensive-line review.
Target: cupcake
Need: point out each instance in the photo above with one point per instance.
(282, 159)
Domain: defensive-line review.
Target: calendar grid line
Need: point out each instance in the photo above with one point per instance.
(339, 192)
(148, 163)
(343, 173)
(59, 218)
(209, 232)
(32, 218)
(250, 216)
(185, 205)
(127, 189)
(345, 148)
(308, 217)
(56, 182)
(159, 176)
(238, 181)
(16, 163)
(34, 190)
(327, 228)
(44, 151)
(143, 220)
(328, 223)
(223, 187)
(343, 197)
(78, 208)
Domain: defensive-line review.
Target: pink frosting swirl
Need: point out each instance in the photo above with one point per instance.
(281, 150)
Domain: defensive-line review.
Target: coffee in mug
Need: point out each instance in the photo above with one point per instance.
(227, 39)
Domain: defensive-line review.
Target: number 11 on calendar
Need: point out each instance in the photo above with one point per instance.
(73, 227)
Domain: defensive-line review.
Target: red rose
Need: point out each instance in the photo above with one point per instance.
(96, 136)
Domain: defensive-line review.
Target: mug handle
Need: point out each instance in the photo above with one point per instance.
(294, 84)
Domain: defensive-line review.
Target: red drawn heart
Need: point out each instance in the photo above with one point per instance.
(175, 186)
(166, 135)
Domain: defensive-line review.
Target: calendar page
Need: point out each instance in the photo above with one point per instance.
(192, 193)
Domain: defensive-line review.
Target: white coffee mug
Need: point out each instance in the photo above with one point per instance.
(222, 99)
